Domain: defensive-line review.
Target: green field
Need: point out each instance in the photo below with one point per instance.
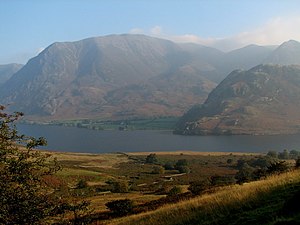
(147, 180)
(161, 123)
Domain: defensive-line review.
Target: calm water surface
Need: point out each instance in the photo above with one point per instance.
(73, 139)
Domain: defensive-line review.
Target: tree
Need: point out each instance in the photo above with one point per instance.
(120, 207)
(120, 187)
(284, 155)
(298, 163)
(245, 174)
(158, 170)
(175, 191)
(151, 158)
(272, 154)
(24, 197)
(198, 187)
(181, 162)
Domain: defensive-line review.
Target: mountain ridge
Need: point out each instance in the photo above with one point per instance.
(96, 77)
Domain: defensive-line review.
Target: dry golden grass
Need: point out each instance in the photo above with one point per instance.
(232, 197)
(194, 153)
(86, 160)
(98, 202)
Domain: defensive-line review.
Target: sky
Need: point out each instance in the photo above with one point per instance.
(29, 26)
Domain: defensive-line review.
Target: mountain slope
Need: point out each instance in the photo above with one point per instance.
(74, 79)
(262, 100)
(287, 53)
(6, 71)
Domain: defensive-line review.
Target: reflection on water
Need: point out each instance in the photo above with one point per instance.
(73, 139)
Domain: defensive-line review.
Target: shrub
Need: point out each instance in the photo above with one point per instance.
(278, 167)
(181, 162)
(272, 154)
(229, 161)
(151, 159)
(175, 191)
(81, 184)
(158, 170)
(222, 180)
(120, 187)
(183, 169)
(298, 163)
(120, 207)
(197, 187)
(169, 166)
(245, 174)
(284, 155)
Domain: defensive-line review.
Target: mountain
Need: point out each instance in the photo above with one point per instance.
(262, 100)
(6, 71)
(82, 79)
(127, 76)
(245, 58)
(287, 53)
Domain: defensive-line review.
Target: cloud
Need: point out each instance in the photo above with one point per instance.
(136, 31)
(273, 32)
(156, 31)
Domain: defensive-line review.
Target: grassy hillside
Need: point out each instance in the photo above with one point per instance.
(271, 201)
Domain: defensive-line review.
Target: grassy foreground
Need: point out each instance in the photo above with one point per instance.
(271, 201)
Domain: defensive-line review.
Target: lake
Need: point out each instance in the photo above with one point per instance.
(72, 139)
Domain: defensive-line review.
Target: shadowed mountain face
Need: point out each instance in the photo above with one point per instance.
(6, 71)
(262, 100)
(286, 54)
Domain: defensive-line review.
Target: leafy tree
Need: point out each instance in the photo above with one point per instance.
(278, 167)
(169, 166)
(181, 162)
(294, 154)
(245, 174)
(120, 207)
(298, 163)
(183, 169)
(151, 158)
(24, 197)
(158, 170)
(284, 155)
(198, 187)
(272, 154)
(120, 187)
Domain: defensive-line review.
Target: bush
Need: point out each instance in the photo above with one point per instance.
(222, 180)
(272, 154)
(169, 166)
(151, 159)
(120, 207)
(81, 184)
(183, 169)
(158, 170)
(120, 187)
(278, 167)
(245, 174)
(197, 187)
(181, 162)
(175, 191)
(298, 163)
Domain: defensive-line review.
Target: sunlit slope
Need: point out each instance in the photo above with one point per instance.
(270, 201)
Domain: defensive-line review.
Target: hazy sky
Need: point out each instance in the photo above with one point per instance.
(28, 26)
